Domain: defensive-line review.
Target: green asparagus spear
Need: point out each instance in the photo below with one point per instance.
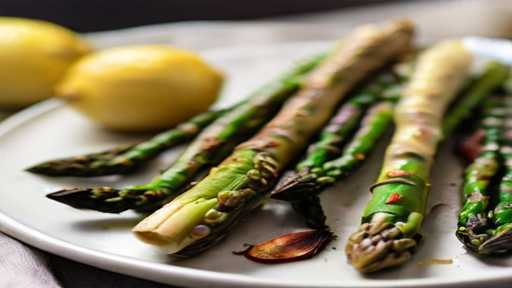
(389, 232)
(301, 186)
(473, 219)
(315, 173)
(311, 179)
(210, 147)
(342, 124)
(304, 198)
(203, 215)
(493, 76)
(128, 158)
(308, 203)
(499, 235)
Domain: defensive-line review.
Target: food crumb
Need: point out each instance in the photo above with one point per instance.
(435, 261)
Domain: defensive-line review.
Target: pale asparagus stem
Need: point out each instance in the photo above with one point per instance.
(392, 219)
(203, 215)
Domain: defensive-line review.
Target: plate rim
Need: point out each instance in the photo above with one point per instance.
(183, 276)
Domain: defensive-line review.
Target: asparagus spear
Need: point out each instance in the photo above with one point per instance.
(303, 181)
(389, 232)
(308, 203)
(127, 158)
(499, 236)
(210, 147)
(310, 207)
(304, 195)
(494, 75)
(203, 215)
(473, 219)
(310, 179)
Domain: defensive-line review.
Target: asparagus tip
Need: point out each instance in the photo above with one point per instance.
(87, 198)
(470, 238)
(45, 168)
(378, 245)
(89, 165)
(36, 169)
(499, 243)
(294, 186)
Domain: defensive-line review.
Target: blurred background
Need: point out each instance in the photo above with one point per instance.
(96, 15)
(436, 17)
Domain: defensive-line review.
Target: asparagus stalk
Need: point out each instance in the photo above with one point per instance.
(494, 75)
(303, 195)
(303, 181)
(203, 215)
(343, 123)
(499, 239)
(310, 179)
(127, 158)
(473, 219)
(389, 232)
(210, 147)
(310, 207)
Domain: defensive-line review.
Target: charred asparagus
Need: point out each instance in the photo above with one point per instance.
(202, 216)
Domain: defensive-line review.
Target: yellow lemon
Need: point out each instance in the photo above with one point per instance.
(141, 88)
(34, 56)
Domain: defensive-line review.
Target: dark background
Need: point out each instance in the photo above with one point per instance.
(97, 15)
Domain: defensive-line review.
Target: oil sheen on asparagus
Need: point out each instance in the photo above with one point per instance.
(203, 215)
(210, 147)
(391, 221)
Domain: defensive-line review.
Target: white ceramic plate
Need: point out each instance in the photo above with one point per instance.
(50, 130)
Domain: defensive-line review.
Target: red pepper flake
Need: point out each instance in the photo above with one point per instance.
(397, 173)
(393, 198)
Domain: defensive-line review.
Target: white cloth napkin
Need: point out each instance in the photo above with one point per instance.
(23, 267)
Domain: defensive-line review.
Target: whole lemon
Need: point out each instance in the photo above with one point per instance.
(33, 57)
(141, 88)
